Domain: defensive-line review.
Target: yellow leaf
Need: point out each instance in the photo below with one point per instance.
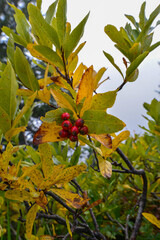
(128, 187)
(115, 143)
(24, 92)
(98, 77)
(63, 100)
(41, 200)
(5, 157)
(69, 173)
(105, 167)
(151, 218)
(104, 139)
(44, 95)
(31, 215)
(86, 89)
(2, 231)
(13, 131)
(46, 237)
(68, 226)
(78, 75)
(18, 195)
(41, 82)
(72, 198)
(46, 159)
(36, 177)
(48, 132)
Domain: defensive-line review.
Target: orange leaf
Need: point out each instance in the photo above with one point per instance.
(48, 132)
(41, 200)
(94, 204)
(104, 139)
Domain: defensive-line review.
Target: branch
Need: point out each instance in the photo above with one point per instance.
(114, 220)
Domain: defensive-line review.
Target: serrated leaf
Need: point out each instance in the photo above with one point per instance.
(46, 159)
(111, 59)
(75, 37)
(61, 20)
(72, 198)
(50, 12)
(142, 18)
(99, 122)
(102, 101)
(22, 26)
(43, 32)
(18, 39)
(24, 71)
(48, 132)
(30, 218)
(135, 64)
(105, 167)
(18, 195)
(69, 173)
(151, 218)
(49, 55)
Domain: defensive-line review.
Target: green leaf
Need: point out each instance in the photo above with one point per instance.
(147, 42)
(55, 115)
(50, 12)
(75, 37)
(50, 55)
(133, 76)
(135, 64)
(75, 157)
(17, 39)
(148, 24)
(43, 32)
(22, 26)
(33, 154)
(61, 20)
(133, 21)
(116, 36)
(111, 59)
(142, 18)
(102, 101)
(135, 51)
(10, 50)
(24, 71)
(8, 101)
(99, 122)
(39, 4)
(154, 46)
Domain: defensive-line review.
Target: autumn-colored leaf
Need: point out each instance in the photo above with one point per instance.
(48, 132)
(46, 159)
(31, 215)
(6, 157)
(46, 237)
(86, 89)
(151, 218)
(18, 195)
(98, 77)
(72, 198)
(36, 177)
(78, 75)
(105, 167)
(41, 200)
(68, 226)
(14, 131)
(104, 139)
(92, 205)
(44, 95)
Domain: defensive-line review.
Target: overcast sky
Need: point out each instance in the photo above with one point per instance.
(128, 106)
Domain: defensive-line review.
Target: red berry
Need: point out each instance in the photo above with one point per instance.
(63, 133)
(74, 130)
(65, 116)
(73, 138)
(79, 122)
(66, 125)
(84, 130)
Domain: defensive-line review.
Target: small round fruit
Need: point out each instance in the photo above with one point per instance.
(84, 130)
(79, 122)
(65, 116)
(63, 133)
(66, 125)
(74, 130)
(73, 138)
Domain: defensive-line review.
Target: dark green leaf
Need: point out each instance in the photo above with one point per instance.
(24, 71)
(99, 122)
(75, 157)
(61, 20)
(50, 12)
(75, 36)
(111, 59)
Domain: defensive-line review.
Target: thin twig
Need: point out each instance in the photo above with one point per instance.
(114, 220)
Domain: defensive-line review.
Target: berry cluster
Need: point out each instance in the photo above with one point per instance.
(71, 131)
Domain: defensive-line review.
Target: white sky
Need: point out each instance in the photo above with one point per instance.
(128, 106)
